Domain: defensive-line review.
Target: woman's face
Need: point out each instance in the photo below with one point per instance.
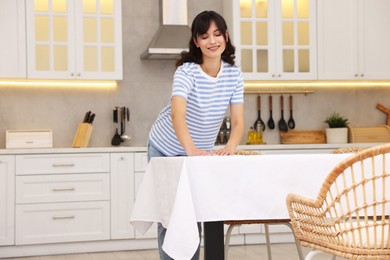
(212, 43)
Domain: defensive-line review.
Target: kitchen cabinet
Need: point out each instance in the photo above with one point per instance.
(122, 195)
(13, 39)
(275, 40)
(7, 198)
(62, 198)
(353, 39)
(74, 39)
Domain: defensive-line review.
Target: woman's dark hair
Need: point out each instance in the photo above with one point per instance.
(200, 26)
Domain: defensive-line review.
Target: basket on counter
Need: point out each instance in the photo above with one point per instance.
(375, 134)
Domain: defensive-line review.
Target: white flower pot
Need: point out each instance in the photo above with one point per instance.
(336, 135)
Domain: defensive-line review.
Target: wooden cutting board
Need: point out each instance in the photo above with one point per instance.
(303, 137)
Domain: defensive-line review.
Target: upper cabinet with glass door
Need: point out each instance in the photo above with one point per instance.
(74, 39)
(275, 39)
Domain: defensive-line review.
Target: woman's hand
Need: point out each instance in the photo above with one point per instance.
(197, 152)
(224, 151)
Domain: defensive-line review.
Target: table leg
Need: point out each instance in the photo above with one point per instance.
(213, 241)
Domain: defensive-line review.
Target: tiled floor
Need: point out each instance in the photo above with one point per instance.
(251, 252)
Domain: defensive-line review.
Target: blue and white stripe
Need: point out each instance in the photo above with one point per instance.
(207, 98)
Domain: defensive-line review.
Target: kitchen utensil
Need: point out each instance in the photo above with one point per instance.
(291, 122)
(86, 117)
(271, 123)
(282, 123)
(116, 139)
(258, 120)
(91, 118)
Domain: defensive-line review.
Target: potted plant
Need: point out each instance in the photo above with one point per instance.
(337, 131)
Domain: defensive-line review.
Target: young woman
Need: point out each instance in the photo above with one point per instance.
(206, 84)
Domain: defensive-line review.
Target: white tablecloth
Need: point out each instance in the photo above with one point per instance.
(181, 191)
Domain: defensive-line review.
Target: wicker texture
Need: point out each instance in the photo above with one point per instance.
(350, 217)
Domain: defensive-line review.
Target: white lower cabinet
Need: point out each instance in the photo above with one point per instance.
(62, 222)
(7, 200)
(62, 198)
(122, 195)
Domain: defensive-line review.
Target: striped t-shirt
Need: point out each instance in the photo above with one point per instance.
(207, 98)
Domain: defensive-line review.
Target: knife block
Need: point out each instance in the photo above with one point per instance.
(83, 134)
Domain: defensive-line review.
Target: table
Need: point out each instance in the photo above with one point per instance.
(181, 191)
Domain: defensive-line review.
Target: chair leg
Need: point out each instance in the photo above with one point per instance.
(299, 249)
(227, 240)
(313, 253)
(267, 239)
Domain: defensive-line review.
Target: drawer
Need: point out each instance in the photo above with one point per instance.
(140, 162)
(62, 222)
(62, 163)
(62, 188)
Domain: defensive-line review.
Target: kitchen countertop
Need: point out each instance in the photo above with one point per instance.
(125, 149)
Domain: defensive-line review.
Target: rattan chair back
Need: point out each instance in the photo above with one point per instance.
(350, 217)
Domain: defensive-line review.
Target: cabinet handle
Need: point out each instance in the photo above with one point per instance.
(279, 76)
(64, 189)
(63, 217)
(72, 74)
(63, 164)
(361, 75)
(29, 142)
(273, 75)
(356, 75)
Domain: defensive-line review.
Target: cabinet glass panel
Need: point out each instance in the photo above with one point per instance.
(246, 60)
(107, 30)
(262, 33)
(303, 9)
(108, 61)
(60, 29)
(246, 8)
(107, 7)
(90, 58)
(288, 60)
(90, 30)
(262, 61)
(42, 61)
(288, 33)
(246, 33)
(303, 33)
(41, 5)
(59, 6)
(89, 6)
(303, 61)
(287, 8)
(261, 8)
(60, 55)
(42, 28)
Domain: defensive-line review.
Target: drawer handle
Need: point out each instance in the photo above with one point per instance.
(29, 142)
(64, 189)
(63, 164)
(63, 217)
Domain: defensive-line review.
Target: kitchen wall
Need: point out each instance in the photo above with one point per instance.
(146, 89)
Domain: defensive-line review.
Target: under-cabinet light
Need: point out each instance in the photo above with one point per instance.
(56, 84)
(251, 85)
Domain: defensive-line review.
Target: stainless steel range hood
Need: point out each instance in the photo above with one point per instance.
(173, 35)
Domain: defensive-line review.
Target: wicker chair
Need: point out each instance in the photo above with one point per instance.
(350, 217)
(236, 223)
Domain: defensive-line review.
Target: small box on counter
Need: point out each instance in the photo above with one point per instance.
(28, 139)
